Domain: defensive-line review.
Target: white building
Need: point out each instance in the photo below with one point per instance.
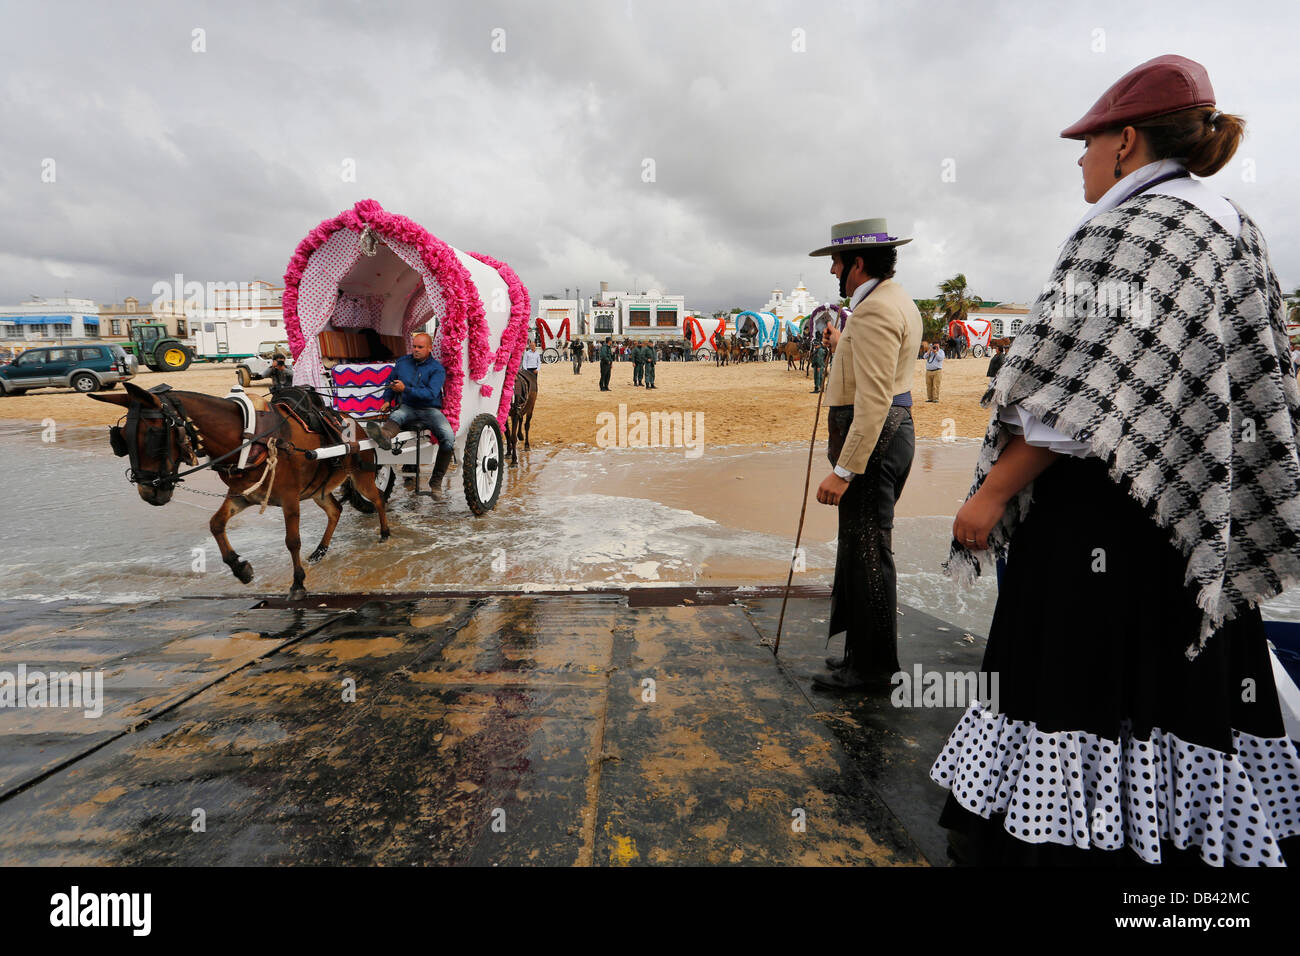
(602, 318)
(800, 304)
(49, 320)
(649, 314)
(1005, 317)
(558, 321)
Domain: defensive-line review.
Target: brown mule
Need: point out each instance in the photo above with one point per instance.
(788, 350)
(165, 428)
(522, 404)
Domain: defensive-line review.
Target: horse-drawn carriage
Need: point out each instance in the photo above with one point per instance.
(970, 337)
(704, 344)
(824, 315)
(357, 288)
(757, 334)
(554, 343)
(803, 335)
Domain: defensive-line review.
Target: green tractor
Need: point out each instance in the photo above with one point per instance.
(154, 346)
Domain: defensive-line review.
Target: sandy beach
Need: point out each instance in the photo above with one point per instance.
(746, 404)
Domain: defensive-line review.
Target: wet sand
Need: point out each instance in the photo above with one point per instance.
(741, 404)
(568, 518)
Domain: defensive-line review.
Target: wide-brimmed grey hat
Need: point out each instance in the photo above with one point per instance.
(859, 234)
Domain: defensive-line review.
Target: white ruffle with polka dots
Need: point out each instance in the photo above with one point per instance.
(1071, 787)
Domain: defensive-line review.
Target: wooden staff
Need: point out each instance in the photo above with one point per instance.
(803, 510)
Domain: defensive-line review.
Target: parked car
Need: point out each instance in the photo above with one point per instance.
(86, 368)
(258, 367)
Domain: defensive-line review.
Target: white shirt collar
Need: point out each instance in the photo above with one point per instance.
(861, 292)
(1134, 180)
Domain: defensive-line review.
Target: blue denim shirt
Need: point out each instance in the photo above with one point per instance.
(423, 382)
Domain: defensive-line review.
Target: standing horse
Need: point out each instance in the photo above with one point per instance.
(522, 404)
(164, 428)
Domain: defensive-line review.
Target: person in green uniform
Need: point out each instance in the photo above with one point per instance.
(648, 359)
(638, 364)
(818, 366)
(606, 357)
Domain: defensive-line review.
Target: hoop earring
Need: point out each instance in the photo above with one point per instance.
(1118, 174)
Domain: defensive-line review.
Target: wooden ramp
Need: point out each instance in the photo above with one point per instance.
(613, 728)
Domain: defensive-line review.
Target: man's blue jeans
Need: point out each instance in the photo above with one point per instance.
(430, 418)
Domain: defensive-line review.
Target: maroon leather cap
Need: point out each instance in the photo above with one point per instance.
(1166, 84)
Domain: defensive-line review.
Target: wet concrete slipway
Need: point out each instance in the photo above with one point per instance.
(610, 698)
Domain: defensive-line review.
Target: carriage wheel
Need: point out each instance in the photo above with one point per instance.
(978, 351)
(704, 354)
(385, 478)
(767, 353)
(550, 356)
(482, 466)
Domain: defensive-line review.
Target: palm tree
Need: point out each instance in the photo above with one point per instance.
(931, 322)
(956, 299)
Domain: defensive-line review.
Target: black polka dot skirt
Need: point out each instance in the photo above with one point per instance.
(1108, 744)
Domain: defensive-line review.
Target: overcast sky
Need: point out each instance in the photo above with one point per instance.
(215, 163)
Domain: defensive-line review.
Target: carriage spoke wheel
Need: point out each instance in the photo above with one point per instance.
(551, 355)
(482, 472)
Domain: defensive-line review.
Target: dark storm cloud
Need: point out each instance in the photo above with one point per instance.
(215, 164)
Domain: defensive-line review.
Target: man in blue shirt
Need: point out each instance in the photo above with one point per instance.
(933, 372)
(415, 387)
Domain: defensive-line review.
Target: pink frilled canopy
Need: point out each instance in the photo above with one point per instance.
(445, 281)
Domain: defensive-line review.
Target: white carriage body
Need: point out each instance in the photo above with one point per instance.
(760, 328)
(368, 283)
(557, 327)
(977, 331)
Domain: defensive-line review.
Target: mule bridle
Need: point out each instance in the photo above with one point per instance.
(177, 440)
(178, 432)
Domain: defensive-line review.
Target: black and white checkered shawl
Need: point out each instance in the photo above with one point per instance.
(1161, 343)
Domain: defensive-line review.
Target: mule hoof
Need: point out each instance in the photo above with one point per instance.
(244, 571)
(318, 554)
(298, 594)
(384, 535)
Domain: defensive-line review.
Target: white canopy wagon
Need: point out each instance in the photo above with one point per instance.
(356, 290)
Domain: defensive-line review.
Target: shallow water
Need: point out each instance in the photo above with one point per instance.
(74, 528)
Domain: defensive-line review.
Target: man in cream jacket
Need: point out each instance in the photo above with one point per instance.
(871, 442)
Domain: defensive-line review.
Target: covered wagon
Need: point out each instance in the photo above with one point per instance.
(361, 284)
